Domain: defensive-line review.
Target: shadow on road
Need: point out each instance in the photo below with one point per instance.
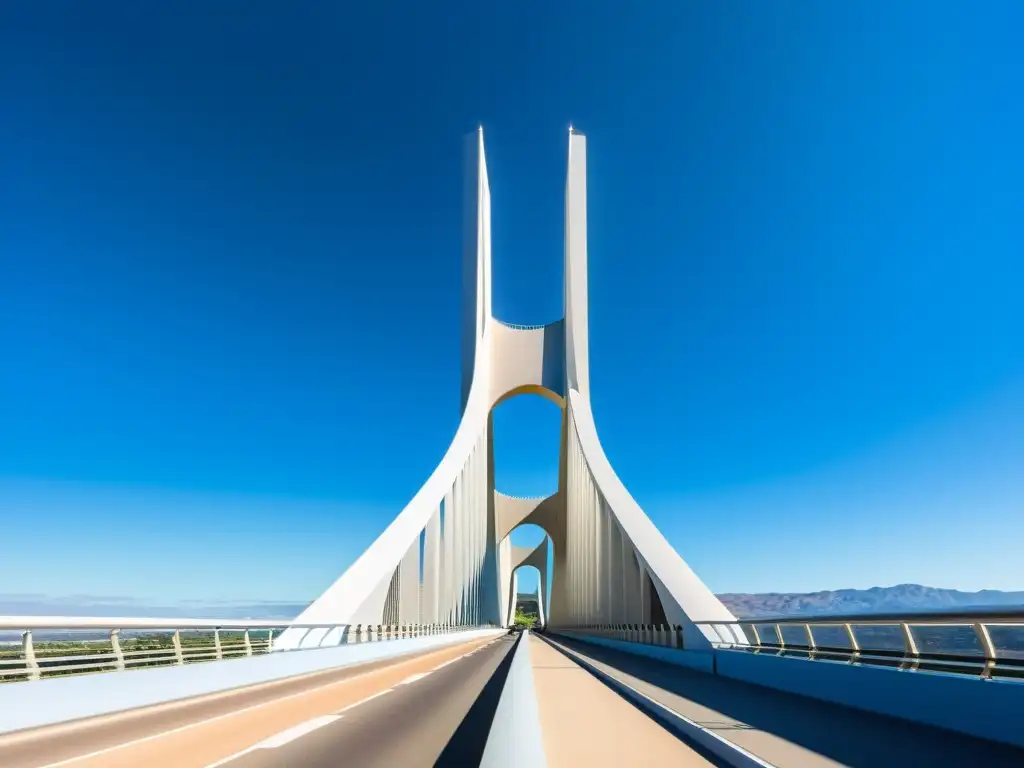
(852, 737)
(466, 746)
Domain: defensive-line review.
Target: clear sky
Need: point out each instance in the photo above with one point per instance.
(229, 280)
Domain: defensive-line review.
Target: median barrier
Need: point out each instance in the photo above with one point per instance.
(515, 736)
(63, 699)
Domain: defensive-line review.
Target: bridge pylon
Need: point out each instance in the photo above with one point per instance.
(610, 564)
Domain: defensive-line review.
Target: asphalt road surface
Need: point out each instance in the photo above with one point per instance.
(210, 730)
(790, 731)
(440, 718)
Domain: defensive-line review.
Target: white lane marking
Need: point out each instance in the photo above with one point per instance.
(229, 758)
(414, 678)
(282, 738)
(214, 719)
(295, 732)
(363, 701)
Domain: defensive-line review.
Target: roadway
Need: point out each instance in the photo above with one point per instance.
(396, 712)
(789, 731)
(584, 723)
(435, 708)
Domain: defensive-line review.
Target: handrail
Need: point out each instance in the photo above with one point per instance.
(1011, 614)
(128, 622)
(522, 498)
(913, 650)
(522, 327)
(152, 642)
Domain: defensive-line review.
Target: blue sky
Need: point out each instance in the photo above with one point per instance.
(807, 338)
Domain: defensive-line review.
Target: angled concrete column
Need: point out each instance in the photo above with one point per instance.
(460, 552)
(432, 569)
(448, 561)
(409, 605)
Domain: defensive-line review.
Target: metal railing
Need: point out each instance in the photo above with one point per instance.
(522, 327)
(664, 635)
(986, 644)
(82, 645)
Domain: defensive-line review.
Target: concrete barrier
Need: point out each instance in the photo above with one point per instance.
(515, 736)
(63, 699)
(702, 661)
(984, 708)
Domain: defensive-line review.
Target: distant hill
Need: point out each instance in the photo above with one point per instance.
(902, 597)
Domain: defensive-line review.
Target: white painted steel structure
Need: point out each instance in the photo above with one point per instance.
(610, 563)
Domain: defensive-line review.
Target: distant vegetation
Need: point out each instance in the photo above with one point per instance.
(525, 620)
(156, 650)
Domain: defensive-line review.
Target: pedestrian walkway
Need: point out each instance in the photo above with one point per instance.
(584, 723)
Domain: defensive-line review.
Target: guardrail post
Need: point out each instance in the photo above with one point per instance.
(854, 645)
(987, 647)
(179, 657)
(910, 651)
(115, 646)
(270, 640)
(248, 644)
(756, 634)
(811, 647)
(782, 640)
(218, 653)
(29, 652)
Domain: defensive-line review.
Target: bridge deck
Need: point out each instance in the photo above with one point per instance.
(792, 731)
(583, 723)
(428, 696)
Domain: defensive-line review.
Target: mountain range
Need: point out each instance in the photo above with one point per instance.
(896, 599)
(902, 597)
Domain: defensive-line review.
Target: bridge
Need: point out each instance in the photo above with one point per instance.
(406, 660)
